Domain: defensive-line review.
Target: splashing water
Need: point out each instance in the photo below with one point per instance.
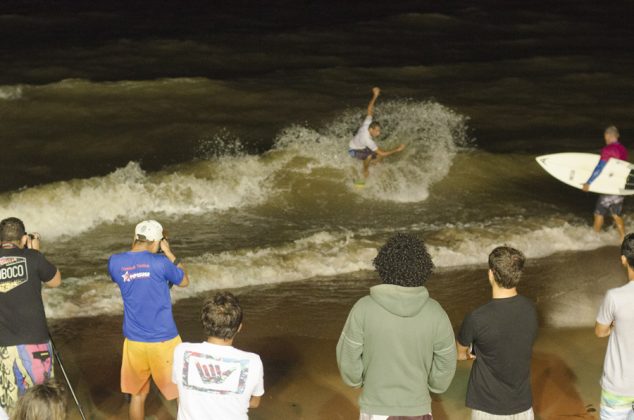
(229, 179)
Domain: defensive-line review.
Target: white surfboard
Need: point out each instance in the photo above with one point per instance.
(574, 169)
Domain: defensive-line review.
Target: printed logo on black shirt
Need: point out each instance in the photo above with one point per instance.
(13, 273)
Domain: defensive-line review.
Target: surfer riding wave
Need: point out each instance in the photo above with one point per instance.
(363, 146)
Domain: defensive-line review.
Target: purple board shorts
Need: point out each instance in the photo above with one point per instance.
(362, 154)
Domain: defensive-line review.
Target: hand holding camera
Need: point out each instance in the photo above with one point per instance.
(33, 241)
(164, 247)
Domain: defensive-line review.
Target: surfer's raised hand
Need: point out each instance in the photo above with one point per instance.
(586, 187)
(375, 94)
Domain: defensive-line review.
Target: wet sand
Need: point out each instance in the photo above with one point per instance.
(295, 326)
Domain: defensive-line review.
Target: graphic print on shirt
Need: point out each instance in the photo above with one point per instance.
(215, 375)
(127, 277)
(13, 273)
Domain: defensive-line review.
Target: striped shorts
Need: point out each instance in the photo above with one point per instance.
(616, 407)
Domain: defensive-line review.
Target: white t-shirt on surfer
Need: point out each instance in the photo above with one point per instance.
(216, 382)
(363, 139)
(618, 369)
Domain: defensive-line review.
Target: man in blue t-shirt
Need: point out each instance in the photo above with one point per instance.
(144, 277)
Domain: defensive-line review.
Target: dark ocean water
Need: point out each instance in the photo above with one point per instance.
(229, 122)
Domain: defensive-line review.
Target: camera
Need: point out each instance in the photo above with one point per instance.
(32, 237)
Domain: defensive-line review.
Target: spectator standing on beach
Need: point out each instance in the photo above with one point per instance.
(500, 336)
(45, 401)
(616, 320)
(144, 277)
(25, 347)
(397, 343)
(216, 381)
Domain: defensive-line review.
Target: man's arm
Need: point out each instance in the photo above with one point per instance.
(375, 94)
(605, 317)
(350, 351)
(443, 366)
(595, 174)
(185, 281)
(56, 281)
(165, 247)
(463, 352)
(45, 268)
(386, 153)
(466, 337)
(601, 330)
(258, 391)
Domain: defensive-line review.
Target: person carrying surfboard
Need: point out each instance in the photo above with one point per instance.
(363, 146)
(608, 204)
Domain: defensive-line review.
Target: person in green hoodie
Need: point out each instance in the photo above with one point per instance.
(398, 343)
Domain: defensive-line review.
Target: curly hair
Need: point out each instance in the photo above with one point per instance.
(404, 261)
(221, 316)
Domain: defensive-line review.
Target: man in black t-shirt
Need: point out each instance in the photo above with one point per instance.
(25, 349)
(500, 337)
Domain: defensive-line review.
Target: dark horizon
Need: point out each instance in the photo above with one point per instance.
(531, 76)
(73, 34)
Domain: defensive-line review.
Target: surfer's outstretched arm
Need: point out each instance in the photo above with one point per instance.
(595, 174)
(375, 94)
(385, 153)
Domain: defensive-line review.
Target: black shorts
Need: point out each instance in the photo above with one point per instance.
(609, 205)
(362, 154)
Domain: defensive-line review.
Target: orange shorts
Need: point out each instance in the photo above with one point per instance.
(144, 360)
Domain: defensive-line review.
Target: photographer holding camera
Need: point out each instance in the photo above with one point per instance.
(25, 349)
(144, 276)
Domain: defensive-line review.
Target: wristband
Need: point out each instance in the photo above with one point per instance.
(176, 261)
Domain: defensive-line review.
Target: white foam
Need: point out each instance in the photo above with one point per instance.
(432, 132)
(535, 243)
(70, 208)
(320, 254)
(236, 180)
(10, 93)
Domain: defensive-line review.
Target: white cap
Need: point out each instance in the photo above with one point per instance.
(150, 229)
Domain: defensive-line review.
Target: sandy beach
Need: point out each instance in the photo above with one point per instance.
(295, 326)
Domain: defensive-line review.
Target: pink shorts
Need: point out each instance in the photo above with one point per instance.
(25, 365)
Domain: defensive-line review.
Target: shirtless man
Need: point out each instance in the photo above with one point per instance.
(362, 146)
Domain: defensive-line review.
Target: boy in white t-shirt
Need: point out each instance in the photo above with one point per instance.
(616, 320)
(215, 380)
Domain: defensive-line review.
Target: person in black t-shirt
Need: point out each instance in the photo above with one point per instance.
(25, 349)
(500, 337)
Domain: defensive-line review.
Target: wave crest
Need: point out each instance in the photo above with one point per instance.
(228, 179)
